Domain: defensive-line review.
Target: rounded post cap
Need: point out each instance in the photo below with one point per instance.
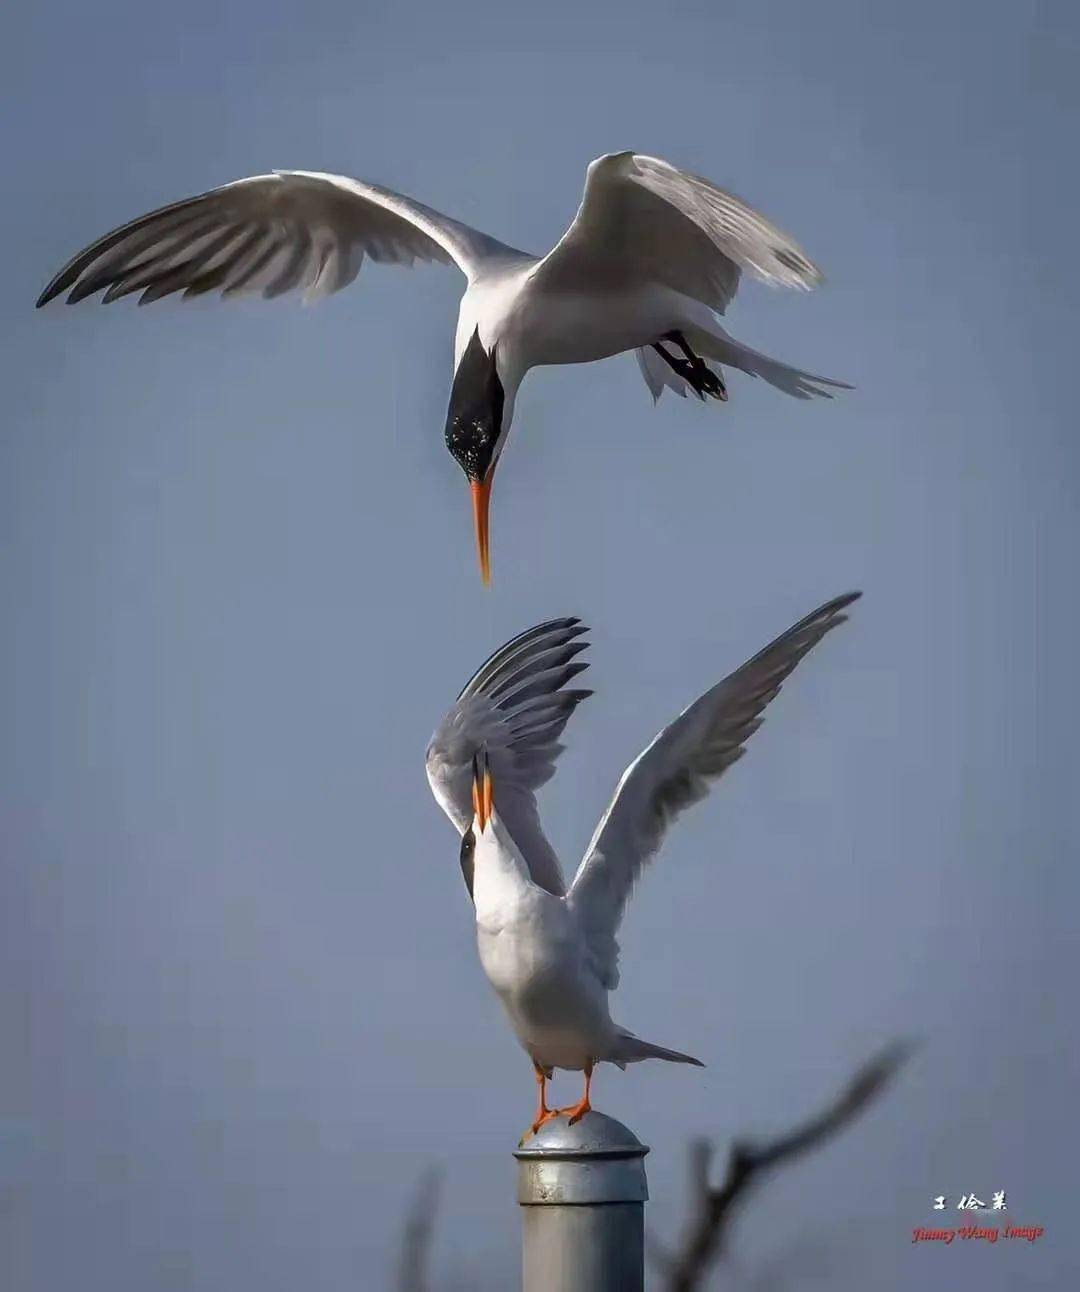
(595, 1135)
(596, 1160)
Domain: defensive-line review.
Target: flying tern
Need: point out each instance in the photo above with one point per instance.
(651, 259)
(549, 951)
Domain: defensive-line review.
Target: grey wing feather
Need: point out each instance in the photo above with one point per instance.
(641, 219)
(515, 707)
(269, 234)
(735, 229)
(675, 771)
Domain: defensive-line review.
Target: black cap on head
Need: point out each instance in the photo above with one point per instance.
(474, 418)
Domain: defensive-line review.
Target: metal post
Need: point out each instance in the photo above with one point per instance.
(583, 1191)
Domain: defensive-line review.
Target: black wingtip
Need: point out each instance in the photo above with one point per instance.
(570, 627)
(832, 612)
(842, 602)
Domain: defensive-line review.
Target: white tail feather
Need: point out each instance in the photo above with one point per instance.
(631, 1049)
(715, 343)
(659, 374)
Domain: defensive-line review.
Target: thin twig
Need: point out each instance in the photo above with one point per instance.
(748, 1164)
(414, 1266)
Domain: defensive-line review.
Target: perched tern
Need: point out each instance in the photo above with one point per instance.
(549, 951)
(653, 255)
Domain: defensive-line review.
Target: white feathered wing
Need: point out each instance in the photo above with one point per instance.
(675, 771)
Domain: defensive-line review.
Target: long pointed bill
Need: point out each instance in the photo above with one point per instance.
(481, 792)
(481, 498)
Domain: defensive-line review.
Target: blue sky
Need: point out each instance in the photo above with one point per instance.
(240, 984)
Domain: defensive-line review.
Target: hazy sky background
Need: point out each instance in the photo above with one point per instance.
(240, 991)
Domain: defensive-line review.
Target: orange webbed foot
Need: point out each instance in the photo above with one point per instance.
(577, 1111)
(549, 1114)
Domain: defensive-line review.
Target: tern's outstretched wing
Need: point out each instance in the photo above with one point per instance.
(267, 235)
(641, 220)
(515, 708)
(674, 772)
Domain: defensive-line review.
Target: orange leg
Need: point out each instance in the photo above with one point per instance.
(580, 1109)
(543, 1112)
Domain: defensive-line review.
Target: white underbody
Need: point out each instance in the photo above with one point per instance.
(534, 957)
(528, 321)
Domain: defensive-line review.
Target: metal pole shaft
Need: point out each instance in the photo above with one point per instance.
(582, 1190)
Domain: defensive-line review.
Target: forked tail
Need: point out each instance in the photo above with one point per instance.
(662, 368)
(715, 343)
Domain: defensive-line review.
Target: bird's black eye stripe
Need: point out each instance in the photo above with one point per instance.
(468, 847)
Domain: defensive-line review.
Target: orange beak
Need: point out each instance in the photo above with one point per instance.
(482, 794)
(481, 498)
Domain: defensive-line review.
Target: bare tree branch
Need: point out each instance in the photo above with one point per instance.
(748, 1164)
(414, 1265)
